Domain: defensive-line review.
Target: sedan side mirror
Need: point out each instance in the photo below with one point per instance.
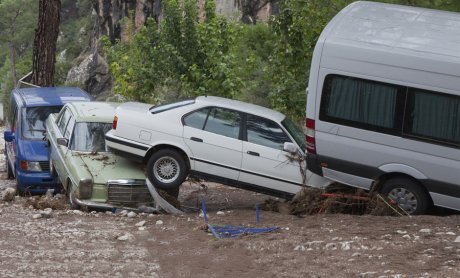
(63, 142)
(8, 135)
(290, 147)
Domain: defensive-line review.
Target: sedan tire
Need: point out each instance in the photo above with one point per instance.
(167, 169)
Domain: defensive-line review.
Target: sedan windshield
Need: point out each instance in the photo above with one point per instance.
(90, 137)
(295, 132)
(33, 120)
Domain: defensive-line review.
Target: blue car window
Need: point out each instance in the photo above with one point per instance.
(33, 120)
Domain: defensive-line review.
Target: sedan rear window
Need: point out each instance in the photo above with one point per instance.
(165, 107)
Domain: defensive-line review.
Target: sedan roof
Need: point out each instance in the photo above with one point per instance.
(93, 111)
(241, 106)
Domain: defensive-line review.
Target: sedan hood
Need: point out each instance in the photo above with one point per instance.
(107, 166)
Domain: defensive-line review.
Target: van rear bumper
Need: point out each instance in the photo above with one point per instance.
(313, 164)
(37, 182)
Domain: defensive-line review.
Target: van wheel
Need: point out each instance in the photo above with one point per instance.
(9, 171)
(409, 195)
(166, 169)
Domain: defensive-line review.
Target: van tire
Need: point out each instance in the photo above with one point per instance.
(167, 169)
(9, 171)
(408, 194)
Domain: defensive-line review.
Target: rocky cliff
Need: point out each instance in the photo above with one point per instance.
(92, 71)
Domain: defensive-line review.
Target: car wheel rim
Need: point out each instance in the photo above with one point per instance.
(404, 198)
(166, 169)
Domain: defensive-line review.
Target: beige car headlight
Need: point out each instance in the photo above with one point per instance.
(85, 188)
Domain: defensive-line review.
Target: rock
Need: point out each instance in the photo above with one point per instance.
(46, 213)
(450, 233)
(37, 216)
(131, 214)
(427, 231)
(401, 232)
(147, 209)
(159, 222)
(141, 228)
(8, 194)
(78, 212)
(220, 213)
(125, 237)
(140, 224)
(457, 239)
(123, 212)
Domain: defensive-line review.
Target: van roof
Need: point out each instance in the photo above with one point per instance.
(404, 27)
(50, 96)
(397, 36)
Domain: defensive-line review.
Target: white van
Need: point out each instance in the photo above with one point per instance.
(383, 106)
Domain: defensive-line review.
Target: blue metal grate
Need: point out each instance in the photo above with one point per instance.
(229, 231)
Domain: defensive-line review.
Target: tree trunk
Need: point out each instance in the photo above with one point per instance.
(46, 36)
(13, 64)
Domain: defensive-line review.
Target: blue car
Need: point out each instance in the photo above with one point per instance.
(26, 151)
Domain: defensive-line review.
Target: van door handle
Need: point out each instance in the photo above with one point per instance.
(253, 153)
(196, 139)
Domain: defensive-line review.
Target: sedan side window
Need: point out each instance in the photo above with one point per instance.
(63, 120)
(265, 132)
(224, 122)
(196, 119)
(69, 128)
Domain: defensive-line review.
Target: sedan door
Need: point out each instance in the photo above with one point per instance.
(59, 152)
(265, 166)
(213, 136)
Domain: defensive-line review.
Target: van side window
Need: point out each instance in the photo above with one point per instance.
(362, 103)
(434, 116)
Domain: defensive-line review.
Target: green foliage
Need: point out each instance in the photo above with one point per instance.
(180, 58)
(266, 63)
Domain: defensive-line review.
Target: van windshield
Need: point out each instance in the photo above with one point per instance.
(33, 120)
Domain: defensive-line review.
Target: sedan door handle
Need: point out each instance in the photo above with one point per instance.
(253, 153)
(196, 139)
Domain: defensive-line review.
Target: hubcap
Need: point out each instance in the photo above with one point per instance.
(404, 198)
(166, 169)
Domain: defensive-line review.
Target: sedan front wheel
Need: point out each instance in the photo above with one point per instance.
(166, 169)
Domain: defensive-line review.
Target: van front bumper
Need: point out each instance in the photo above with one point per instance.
(37, 182)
